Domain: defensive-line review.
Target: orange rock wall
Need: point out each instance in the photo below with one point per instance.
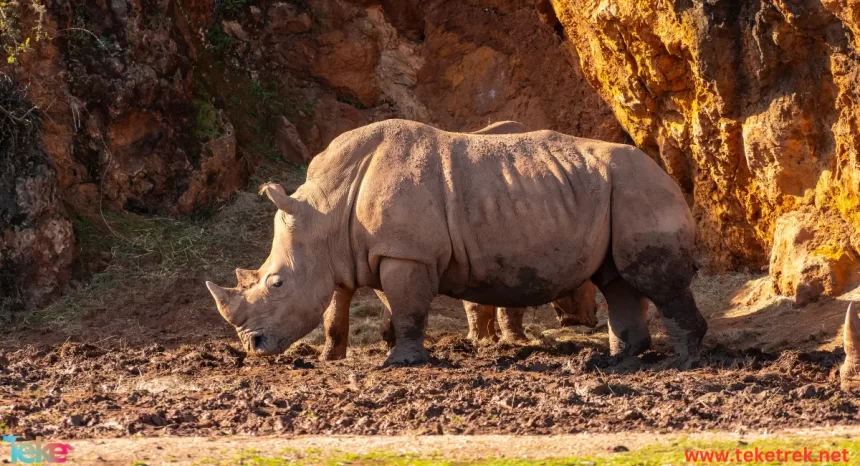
(751, 105)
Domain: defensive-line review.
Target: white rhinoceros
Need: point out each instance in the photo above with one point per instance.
(509, 220)
(578, 309)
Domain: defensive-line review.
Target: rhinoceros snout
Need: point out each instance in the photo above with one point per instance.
(260, 344)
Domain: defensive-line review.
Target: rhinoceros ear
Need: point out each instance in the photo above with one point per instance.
(276, 194)
(851, 337)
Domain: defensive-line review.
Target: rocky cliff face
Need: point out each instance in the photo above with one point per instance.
(752, 105)
(164, 106)
(458, 65)
(152, 105)
(36, 241)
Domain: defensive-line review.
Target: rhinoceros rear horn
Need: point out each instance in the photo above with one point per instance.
(277, 195)
(851, 337)
(246, 277)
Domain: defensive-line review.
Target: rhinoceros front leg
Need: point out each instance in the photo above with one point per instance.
(628, 318)
(336, 325)
(409, 289)
(482, 321)
(511, 323)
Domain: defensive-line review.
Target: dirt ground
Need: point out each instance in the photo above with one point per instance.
(160, 383)
(140, 351)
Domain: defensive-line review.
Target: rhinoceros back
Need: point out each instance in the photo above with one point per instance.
(513, 219)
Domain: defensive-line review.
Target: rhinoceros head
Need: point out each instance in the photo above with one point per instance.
(285, 298)
(850, 371)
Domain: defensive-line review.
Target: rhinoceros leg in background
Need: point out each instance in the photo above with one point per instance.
(410, 289)
(482, 321)
(511, 323)
(579, 308)
(336, 325)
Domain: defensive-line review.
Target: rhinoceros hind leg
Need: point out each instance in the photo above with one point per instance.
(482, 321)
(664, 275)
(628, 318)
(409, 289)
(685, 325)
(511, 323)
(336, 325)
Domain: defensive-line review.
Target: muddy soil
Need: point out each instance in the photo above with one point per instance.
(85, 390)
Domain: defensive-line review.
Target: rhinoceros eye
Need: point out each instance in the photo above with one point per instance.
(275, 281)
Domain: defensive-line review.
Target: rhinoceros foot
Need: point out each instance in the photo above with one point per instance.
(333, 353)
(407, 356)
(688, 362)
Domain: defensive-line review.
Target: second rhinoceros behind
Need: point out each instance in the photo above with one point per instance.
(509, 220)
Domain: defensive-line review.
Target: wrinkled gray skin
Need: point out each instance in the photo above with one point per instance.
(578, 309)
(508, 220)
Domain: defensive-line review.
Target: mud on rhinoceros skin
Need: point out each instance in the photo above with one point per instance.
(557, 204)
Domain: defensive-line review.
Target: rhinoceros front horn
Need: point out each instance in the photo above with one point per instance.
(222, 299)
(218, 293)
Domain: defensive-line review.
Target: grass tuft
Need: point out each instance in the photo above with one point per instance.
(672, 452)
(208, 124)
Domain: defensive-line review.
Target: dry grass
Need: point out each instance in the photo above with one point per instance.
(714, 293)
(146, 255)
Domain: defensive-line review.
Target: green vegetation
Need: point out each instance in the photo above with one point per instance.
(20, 28)
(263, 92)
(207, 124)
(355, 104)
(253, 105)
(81, 40)
(652, 455)
(218, 40)
(232, 8)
